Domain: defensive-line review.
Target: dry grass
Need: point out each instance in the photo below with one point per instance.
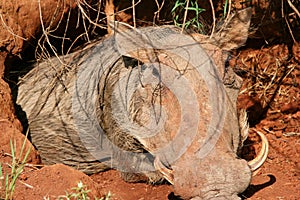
(265, 72)
(104, 14)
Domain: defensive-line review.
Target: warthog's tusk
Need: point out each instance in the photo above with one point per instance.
(262, 156)
(167, 173)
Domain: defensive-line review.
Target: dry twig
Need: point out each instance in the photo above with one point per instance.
(159, 7)
(185, 15)
(293, 7)
(214, 18)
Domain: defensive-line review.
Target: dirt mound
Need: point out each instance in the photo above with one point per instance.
(22, 22)
(7, 107)
(52, 182)
(11, 129)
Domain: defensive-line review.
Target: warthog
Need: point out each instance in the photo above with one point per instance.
(153, 103)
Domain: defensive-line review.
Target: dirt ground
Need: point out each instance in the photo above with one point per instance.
(270, 93)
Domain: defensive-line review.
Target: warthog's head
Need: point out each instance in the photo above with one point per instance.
(182, 109)
(210, 168)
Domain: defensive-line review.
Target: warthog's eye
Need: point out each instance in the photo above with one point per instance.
(131, 62)
(227, 61)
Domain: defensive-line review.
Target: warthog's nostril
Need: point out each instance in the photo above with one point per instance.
(262, 156)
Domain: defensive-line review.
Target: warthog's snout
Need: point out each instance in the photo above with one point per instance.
(220, 175)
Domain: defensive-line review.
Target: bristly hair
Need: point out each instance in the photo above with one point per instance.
(244, 125)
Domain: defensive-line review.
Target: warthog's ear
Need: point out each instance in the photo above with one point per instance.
(234, 31)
